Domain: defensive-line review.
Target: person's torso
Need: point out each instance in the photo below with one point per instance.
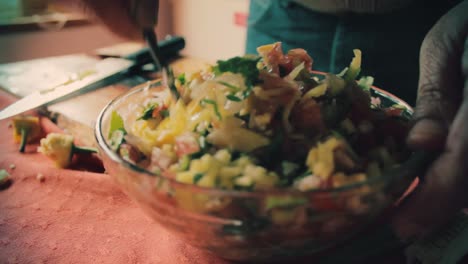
(354, 6)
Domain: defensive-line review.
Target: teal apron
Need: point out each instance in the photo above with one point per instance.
(389, 42)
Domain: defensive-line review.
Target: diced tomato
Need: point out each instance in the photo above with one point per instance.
(186, 144)
(393, 111)
(298, 56)
(130, 153)
(157, 111)
(326, 202)
(275, 82)
(307, 117)
(275, 58)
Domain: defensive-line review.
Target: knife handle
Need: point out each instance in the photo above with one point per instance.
(169, 47)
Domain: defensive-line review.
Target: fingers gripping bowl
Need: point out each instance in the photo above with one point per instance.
(260, 157)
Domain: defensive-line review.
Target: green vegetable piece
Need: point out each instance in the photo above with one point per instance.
(284, 202)
(365, 83)
(354, 68)
(148, 112)
(202, 142)
(184, 163)
(117, 138)
(83, 150)
(234, 98)
(215, 106)
(26, 129)
(4, 177)
(197, 177)
(288, 168)
(24, 139)
(164, 113)
(247, 66)
(233, 88)
(182, 78)
(60, 148)
(116, 123)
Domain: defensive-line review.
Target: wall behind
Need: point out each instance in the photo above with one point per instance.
(213, 29)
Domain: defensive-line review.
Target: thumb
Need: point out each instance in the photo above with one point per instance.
(444, 69)
(443, 191)
(439, 93)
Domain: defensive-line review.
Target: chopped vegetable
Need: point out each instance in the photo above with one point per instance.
(317, 91)
(148, 112)
(184, 163)
(365, 83)
(181, 79)
(26, 129)
(60, 148)
(4, 177)
(320, 159)
(117, 138)
(116, 123)
(215, 106)
(197, 177)
(247, 66)
(233, 98)
(234, 89)
(354, 68)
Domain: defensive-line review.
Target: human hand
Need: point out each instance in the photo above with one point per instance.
(125, 18)
(441, 124)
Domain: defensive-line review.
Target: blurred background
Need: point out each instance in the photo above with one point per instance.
(31, 29)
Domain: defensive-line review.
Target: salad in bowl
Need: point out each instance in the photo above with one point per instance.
(259, 155)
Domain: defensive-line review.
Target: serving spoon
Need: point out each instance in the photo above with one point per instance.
(144, 13)
(160, 62)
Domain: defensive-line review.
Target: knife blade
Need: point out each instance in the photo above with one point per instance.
(101, 70)
(89, 78)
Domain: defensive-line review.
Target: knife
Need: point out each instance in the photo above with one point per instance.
(92, 77)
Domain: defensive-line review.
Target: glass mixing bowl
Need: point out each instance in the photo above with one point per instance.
(242, 225)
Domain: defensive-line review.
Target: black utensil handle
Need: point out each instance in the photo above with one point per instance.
(169, 47)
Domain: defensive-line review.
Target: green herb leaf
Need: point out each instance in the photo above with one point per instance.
(197, 177)
(116, 123)
(234, 98)
(182, 79)
(148, 112)
(247, 66)
(233, 88)
(215, 106)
